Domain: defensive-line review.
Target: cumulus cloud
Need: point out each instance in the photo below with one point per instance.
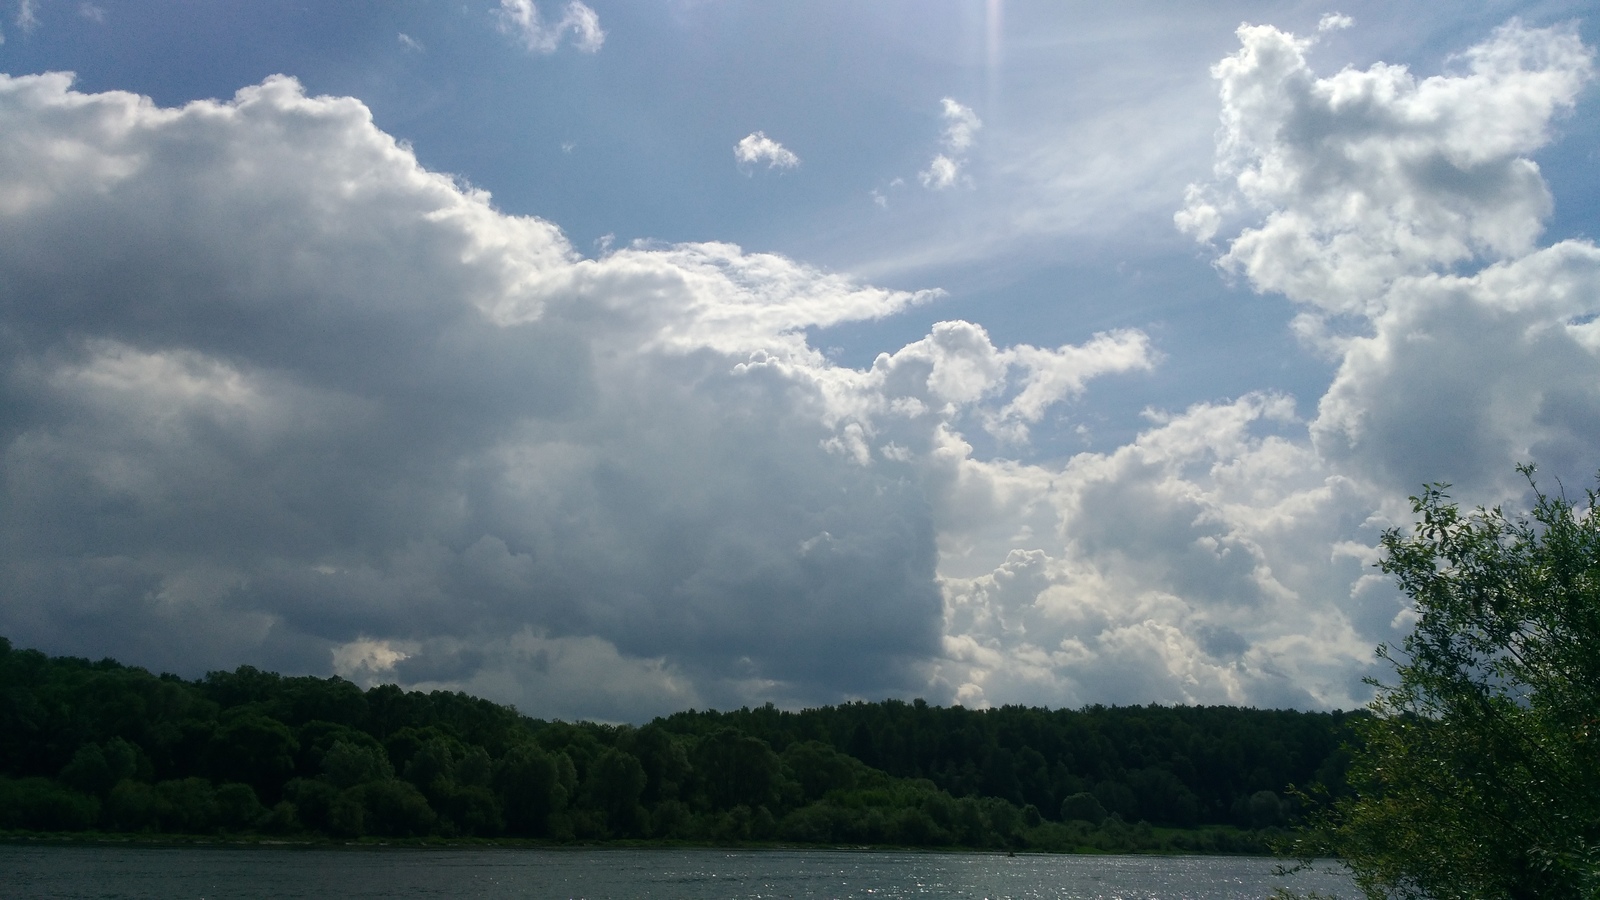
(1224, 555)
(941, 173)
(1371, 175)
(1335, 22)
(1180, 568)
(277, 389)
(756, 147)
(1379, 193)
(961, 126)
(281, 390)
(521, 19)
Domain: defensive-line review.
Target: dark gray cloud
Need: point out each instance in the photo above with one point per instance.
(274, 393)
(276, 390)
(279, 395)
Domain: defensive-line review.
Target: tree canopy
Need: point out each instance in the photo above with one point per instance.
(1480, 773)
(103, 746)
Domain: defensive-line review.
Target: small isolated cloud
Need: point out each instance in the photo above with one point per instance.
(410, 43)
(961, 124)
(1335, 22)
(756, 146)
(941, 173)
(522, 20)
(364, 659)
(93, 13)
(27, 15)
(881, 197)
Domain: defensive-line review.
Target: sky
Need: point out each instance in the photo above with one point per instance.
(614, 358)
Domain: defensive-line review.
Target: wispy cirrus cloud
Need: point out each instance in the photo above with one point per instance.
(522, 20)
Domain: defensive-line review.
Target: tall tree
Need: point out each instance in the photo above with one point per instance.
(1480, 775)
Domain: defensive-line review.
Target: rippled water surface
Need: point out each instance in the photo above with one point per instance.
(201, 872)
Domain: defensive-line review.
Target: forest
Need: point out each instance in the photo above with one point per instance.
(101, 747)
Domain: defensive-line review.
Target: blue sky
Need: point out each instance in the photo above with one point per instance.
(1031, 352)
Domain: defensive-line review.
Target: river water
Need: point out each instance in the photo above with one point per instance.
(206, 873)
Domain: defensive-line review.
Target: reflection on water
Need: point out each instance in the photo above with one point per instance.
(214, 873)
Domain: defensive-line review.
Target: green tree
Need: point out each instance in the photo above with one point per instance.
(819, 768)
(1480, 774)
(348, 764)
(616, 782)
(187, 805)
(313, 800)
(1083, 807)
(256, 750)
(529, 782)
(41, 804)
(738, 770)
(238, 808)
(665, 762)
(392, 808)
(96, 770)
(134, 806)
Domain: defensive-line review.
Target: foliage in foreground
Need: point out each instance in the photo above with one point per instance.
(1480, 775)
(98, 746)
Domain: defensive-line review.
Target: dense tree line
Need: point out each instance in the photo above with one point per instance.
(102, 746)
(1174, 766)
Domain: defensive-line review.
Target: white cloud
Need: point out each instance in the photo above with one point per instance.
(92, 12)
(1224, 555)
(957, 372)
(366, 661)
(577, 676)
(961, 126)
(1368, 176)
(347, 410)
(941, 173)
(27, 15)
(755, 147)
(344, 413)
(1463, 376)
(410, 43)
(1184, 569)
(1373, 187)
(1335, 22)
(521, 18)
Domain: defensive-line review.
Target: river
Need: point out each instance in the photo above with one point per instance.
(60, 872)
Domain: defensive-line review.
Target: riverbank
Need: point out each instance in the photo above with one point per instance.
(40, 871)
(1161, 841)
